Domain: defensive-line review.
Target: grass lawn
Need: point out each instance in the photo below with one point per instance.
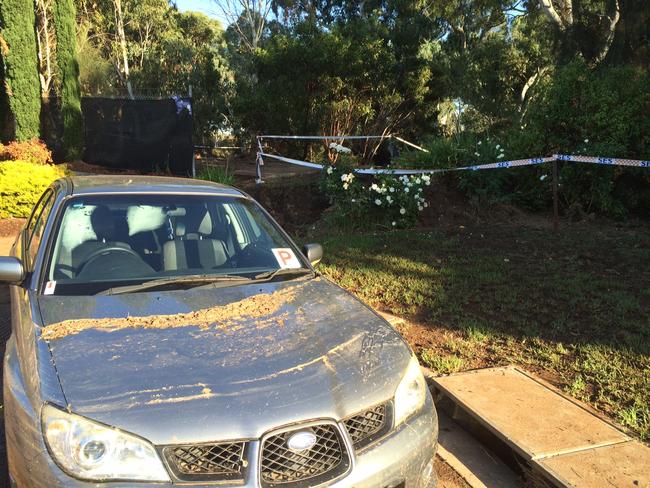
(574, 307)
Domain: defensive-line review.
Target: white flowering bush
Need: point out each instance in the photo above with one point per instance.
(488, 151)
(385, 200)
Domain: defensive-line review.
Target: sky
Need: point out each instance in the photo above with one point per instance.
(207, 7)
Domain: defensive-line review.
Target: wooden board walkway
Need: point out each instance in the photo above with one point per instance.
(565, 442)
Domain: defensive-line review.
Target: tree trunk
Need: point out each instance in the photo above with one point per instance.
(121, 39)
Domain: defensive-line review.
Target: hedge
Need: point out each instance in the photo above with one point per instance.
(22, 184)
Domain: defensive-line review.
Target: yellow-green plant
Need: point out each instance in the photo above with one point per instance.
(21, 185)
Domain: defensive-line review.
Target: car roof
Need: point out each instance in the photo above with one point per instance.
(97, 184)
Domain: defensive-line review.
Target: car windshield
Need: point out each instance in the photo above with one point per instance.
(109, 241)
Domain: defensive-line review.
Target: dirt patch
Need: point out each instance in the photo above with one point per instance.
(11, 227)
(204, 394)
(447, 477)
(258, 307)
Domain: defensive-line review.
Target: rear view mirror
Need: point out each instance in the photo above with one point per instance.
(313, 252)
(11, 270)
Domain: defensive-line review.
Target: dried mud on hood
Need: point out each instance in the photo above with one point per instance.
(258, 307)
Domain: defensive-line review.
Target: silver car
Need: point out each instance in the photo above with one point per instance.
(168, 332)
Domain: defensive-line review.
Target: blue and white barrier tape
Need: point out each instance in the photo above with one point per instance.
(501, 164)
(601, 160)
(397, 171)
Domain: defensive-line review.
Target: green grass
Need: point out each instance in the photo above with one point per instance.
(441, 364)
(217, 174)
(573, 307)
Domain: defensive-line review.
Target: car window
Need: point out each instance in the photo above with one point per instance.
(105, 241)
(36, 224)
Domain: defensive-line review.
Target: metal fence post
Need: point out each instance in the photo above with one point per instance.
(556, 212)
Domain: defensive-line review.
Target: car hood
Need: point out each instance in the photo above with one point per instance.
(322, 354)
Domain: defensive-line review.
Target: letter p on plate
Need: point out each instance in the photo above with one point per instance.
(286, 258)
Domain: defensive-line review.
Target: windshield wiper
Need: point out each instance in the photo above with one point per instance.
(269, 275)
(194, 280)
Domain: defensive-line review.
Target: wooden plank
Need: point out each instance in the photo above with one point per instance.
(533, 420)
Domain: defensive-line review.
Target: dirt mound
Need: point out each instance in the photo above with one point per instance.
(257, 307)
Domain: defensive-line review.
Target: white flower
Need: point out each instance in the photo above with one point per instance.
(394, 224)
(498, 146)
(500, 156)
(333, 145)
(418, 181)
(406, 189)
(402, 210)
(330, 170)
(344, 177)
(420, 208)
(426, 178)
(543, 177)
(377, 201)
(426, 204)
(480, 142)
(476, 154)
(389, 199)
(374, 187)
(586, 141)
(354, 201)
(417, 197)
(391, 189)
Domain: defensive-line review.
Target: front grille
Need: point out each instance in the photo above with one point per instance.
(326, 460)
(368, 426)
(203, 462)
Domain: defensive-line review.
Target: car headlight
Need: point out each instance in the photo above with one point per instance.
(90, 451)
(411, 392)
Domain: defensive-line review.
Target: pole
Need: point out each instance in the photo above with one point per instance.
(259, 162)
(556, 212)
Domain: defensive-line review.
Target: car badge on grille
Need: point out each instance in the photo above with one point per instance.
(301, 441)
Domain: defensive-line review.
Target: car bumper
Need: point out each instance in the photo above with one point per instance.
(402, 459)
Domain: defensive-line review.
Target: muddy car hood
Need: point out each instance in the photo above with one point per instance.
(323, 354)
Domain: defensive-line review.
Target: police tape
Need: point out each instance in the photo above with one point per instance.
(602, 160)
(498, 165)
(400, 171)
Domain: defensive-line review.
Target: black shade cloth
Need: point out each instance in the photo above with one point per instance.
(144, 135)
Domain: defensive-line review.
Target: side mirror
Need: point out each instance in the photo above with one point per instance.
(11, 270)
(313, 252)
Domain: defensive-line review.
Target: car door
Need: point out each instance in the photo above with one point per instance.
(24, 307)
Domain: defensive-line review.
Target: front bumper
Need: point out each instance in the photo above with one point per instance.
(402, 458)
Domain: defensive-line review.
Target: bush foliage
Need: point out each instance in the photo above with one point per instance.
(578, 111)
(33, 151)
(21, 185)
(380, 201)
(17, 19)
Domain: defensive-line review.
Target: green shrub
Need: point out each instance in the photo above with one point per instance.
(21, 185)
(23, 88)
(597, 113)
(383, 200)
(32, 151)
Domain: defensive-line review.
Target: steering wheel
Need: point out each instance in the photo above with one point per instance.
(256, 251)
(93, 256)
